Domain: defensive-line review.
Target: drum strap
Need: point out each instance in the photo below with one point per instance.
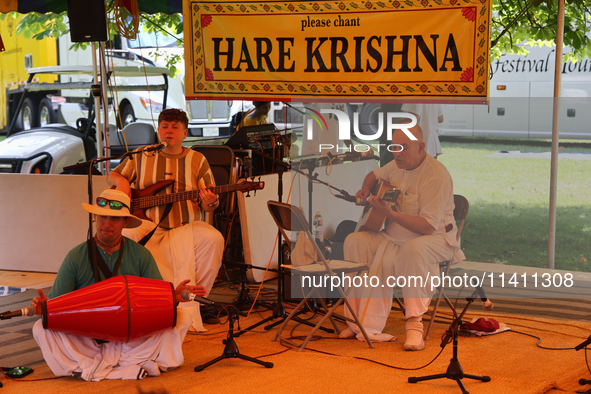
(97, 262)
(147, 237)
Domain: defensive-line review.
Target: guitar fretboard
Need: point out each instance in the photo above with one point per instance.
(162, 199)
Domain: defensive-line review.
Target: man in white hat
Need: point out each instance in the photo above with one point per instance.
(68, 354)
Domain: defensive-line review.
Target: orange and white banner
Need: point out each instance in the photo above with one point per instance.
(338, 51)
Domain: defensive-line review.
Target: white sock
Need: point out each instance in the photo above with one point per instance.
(347, 333)
(414, 334)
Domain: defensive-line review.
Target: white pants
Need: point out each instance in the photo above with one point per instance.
(418, 257)
(193, 251)
(66, 354)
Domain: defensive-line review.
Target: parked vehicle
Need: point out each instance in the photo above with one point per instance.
(48, 149)
(521, 103)
(41, 107)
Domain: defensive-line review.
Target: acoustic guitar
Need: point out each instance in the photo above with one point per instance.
(372, 219)
(142, 199)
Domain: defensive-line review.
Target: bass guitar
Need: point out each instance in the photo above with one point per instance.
(143, 199)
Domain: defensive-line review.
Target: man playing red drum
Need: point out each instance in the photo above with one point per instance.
(183, 245)
(68, 354)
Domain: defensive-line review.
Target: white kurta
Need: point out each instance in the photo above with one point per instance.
(427, 192)
(418, 257)
(193, 251)
(67, 354)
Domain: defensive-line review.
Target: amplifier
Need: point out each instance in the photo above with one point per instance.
(246, 134)
(266, 145)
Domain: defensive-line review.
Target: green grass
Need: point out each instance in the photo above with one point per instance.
(509, 203)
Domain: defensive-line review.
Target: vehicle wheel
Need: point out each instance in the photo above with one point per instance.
(47, 114)
(28, 115)
(369, 118)
(127, 115)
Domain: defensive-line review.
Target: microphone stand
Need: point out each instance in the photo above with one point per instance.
(310, 165)
(231, 349)
(90, 164)
(454, 370)
(577, 348)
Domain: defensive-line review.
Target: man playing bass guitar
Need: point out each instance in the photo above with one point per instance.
(182, 245)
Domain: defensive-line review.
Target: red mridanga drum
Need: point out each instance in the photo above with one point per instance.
(120, 309)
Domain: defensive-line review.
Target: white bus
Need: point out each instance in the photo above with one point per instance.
(521, 102)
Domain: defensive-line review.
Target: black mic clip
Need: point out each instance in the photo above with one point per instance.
(346, 196)
(157, 148)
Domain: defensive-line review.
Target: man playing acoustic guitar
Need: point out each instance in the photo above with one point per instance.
(420, 232)
(182, 245)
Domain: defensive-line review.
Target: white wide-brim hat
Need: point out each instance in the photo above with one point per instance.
(114, 195)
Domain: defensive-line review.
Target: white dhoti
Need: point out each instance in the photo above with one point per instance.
(67, 354)
(418, 257)
(193, 251)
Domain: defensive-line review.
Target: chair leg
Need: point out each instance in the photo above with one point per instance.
(434, 313)
(356, 320)
(291, 315)
(400, 307)
(437, 301)
(325, 307)
(317, 326)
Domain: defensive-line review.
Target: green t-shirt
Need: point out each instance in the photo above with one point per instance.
(76, 272)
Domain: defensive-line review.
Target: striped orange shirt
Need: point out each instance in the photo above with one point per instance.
(190, 170)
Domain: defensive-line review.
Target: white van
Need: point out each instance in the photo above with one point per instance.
(520, 104)
(142, 106)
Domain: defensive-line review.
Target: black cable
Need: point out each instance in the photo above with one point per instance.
(319, 337)
(540, 340)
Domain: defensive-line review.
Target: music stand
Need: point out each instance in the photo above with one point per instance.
(231, 349)
(454, 369)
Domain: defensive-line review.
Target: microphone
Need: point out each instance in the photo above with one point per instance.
(28, 311)
(157, 148)
(188, 296)
(583, 344)
(348, 155)
(486, 303)
(358, 201)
